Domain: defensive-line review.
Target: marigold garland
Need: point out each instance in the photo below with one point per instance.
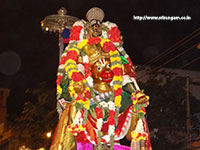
(80, 98)
(139, 136)
(111, 121)
(115, 60)
(111, 42)
(139, 133)
(139, 109)
(110, 34)
(74, 35)
(70, 66)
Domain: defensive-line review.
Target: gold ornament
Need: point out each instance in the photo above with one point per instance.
(95, 52)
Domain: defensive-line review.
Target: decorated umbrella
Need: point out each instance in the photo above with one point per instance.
(59, 23)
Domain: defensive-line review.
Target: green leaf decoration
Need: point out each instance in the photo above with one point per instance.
(140, 115)
(124, 60)
(64, 88)
(58, 96)
(78, 106)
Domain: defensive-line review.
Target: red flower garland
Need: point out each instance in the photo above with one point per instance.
(99, 113)
(108, 46)
(58, 79)
(87, 93)
(72, 55)
(75, 32)
(87, 70)
(63, 60)
(118, 92)
(111, 119)
(94, 40)
(118, 71)
(114, 34)
(77, 76)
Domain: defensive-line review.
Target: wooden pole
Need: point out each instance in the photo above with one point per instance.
(188, 123)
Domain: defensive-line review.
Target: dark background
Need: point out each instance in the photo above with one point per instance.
(29, 56)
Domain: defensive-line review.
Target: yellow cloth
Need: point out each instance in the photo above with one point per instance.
(63, 139)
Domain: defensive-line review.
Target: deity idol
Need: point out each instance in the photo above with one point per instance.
(99, 101)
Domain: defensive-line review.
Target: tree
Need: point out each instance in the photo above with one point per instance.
(39, 116)
(166, 113)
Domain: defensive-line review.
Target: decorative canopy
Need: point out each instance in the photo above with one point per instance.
(58, 22)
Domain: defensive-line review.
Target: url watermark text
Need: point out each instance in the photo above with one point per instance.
(169, 18)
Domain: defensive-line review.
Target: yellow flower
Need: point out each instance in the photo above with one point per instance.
(71, 87)
(141, 111)
(87, 89)
(116, 86)
(118, 101)
(59, 89)
(113, 53)
(117, 65)
(71, 72)
(135, 136)
(82, 43)
(70, 66)
(135, 102)
(75, 95)
(69, 61)
(81, 127)
(74, 49)
(112, 59)
(147, 97)
(119, 78)
(86, 104)
(103, 41)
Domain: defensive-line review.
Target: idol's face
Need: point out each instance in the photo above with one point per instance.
(102, 71)
(95, 28)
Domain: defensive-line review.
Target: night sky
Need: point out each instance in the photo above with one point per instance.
(29, 56)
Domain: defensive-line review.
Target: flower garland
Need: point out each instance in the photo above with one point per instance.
(86, 63)
(73, 73)
(139, 133)
(82, 98)
(139, 108)
(111, 121)
(111, 42)
(87, 71)
(113, 32)
(115, 60)
(109, 31)
(99, 116)
(77, 124)
(69, 60)
(116, 38)
(77, 32)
